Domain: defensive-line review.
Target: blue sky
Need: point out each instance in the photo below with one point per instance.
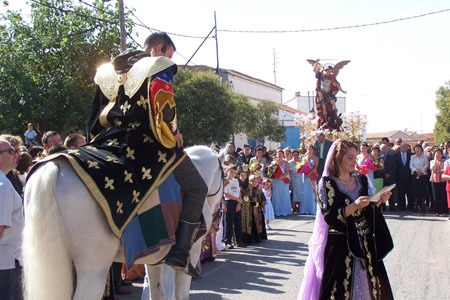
(395, 68)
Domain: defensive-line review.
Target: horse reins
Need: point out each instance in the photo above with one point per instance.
(220, 182)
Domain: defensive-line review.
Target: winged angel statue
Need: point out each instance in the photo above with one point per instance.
(326, 90)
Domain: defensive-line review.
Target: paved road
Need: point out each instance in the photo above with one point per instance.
(418, 267)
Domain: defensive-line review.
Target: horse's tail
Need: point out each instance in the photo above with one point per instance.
(47, 264)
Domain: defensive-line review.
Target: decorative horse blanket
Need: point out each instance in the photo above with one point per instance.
(130, 156)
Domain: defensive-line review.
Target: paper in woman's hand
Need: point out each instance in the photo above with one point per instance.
(377, 196)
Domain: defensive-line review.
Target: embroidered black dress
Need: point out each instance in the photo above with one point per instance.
(355, 247)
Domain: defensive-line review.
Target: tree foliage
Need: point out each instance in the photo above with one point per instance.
(246, 117)
(267, 123)
(204, 106)
(47, 65)
(442, 126)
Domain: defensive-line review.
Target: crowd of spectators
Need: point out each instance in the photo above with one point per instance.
(262, 184)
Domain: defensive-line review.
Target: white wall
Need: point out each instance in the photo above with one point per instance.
(254, 89)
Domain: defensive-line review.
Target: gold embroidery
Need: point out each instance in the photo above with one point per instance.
(73, 151)
(114, 159)
(93, 164)
(348, 271)
(109, 183)
(146, 173)
(333, 291)
(340, 217)
(119, 207)
(142, 102)
(133, 126)
(112, 142)
(148, 139)
(130, 153)
(125, 107)
(91, 148)
(128, 177)
(162, 157)
(331, 193)
(117, 122)
(135, 196)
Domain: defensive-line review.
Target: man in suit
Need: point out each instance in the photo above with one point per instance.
(389, 174)
(403, 177)
(322, 146)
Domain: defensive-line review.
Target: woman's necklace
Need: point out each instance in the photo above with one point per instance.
(347, 182)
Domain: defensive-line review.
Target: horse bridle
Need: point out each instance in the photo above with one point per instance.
(220, 181)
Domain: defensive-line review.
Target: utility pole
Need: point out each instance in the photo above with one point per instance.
(274, 66)
(217, 44)
(123, 33)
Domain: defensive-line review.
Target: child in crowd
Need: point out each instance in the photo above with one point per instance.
(30, 136)
(268, 209)
(244, 207)
(233, 201)
(253, 230)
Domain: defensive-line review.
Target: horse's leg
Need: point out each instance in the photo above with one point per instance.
(91, 243)
(182, 285)
(154, 274)
(92, 264)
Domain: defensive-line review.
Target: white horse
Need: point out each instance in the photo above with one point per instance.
(65, 227)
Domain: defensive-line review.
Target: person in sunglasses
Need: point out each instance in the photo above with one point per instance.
(11, 226)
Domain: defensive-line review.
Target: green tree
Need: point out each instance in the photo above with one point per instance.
(267, 124)
(442, 126)
(204, 106)
(47, 66)
(246, 117)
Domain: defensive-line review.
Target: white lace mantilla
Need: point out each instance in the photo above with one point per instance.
(109, 81)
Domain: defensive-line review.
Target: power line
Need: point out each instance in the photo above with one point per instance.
(108, 12)
(73, 12)
(338, 27)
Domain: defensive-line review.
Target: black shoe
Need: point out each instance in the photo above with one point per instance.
(229, 246)
(178, 257)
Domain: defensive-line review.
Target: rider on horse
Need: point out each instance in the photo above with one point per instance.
(135, 145)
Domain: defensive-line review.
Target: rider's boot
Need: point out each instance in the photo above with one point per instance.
(178, 257)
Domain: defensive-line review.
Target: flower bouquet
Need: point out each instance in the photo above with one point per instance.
(378, 163)
(274, 171)
(369, 166)
(299, 165)
(256, 168)
(306, 169)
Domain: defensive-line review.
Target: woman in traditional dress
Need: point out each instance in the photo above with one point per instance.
(350, 236)
(296, 182)
(378, 161)
(309, 205)
(365, 166)
(438, 184)
(281, 199)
